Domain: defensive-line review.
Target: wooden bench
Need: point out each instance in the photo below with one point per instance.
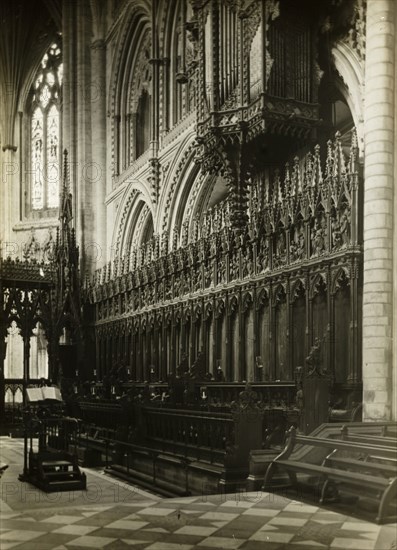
(350, 435)
(385, 470)
(380, 489)
(390, 429)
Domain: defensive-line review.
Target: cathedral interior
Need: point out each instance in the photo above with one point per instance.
(198, 249)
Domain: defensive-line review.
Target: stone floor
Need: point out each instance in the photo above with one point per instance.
(113, 515)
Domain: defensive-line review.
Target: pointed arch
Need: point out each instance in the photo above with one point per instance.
(351, 84)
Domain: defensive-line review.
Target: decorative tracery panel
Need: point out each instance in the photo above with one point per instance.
(45, 130)
(275, 276)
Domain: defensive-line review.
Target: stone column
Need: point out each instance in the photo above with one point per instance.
(97, 252)
(394, 351)
(3, 349)
(378, 210)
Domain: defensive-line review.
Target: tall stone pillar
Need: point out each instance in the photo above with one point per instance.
(394, 352)
(10, 168)
(380, 145)
(97, 253)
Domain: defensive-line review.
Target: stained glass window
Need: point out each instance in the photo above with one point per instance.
(45, 132)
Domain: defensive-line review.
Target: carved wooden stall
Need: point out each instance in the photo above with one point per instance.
(249, 284)
(45, 292)
(205, 439)
(264, 292)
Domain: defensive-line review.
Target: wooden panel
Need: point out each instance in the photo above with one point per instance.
(210, 345)
(235, 347)
(320, 317)
(264, 340)
(281, 343)
(298, 332)
(249, 345)
(342, 334)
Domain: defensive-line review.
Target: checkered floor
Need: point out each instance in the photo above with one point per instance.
(113, 515)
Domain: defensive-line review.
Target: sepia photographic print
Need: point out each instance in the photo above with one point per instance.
(198, 274)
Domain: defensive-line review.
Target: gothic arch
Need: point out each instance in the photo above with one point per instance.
(34, 67)
(124, 45)
(262, 298)
(350, 85)
(297, 288)
(342, 274)
(137, 198)
(176, 188)
(317, 284)
(132, 36)
(279, 293)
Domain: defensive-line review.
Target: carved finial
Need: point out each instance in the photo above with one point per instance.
(329, 165)
(276, 187)
(353, 152)
(296, 178)
(279, 188)
(317, 177)
(339, 157)
(308, 176)
(287, 183)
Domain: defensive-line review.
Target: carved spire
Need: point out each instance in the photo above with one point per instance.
(67, 310)
(66, 251)
(353, 167)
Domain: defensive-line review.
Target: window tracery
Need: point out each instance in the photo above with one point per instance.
(45, 130)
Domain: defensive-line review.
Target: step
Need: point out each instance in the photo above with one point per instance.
(65, 485)
(61, 474)
(162, 488)
(54, 463)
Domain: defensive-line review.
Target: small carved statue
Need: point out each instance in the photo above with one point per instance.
(336, 234)
(265, 259)
(318, 238)
(345, 227)
(313, 359)
(293, 251)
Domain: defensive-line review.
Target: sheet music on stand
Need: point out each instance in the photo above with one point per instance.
(42, 394)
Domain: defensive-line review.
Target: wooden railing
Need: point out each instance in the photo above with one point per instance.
(202, 435)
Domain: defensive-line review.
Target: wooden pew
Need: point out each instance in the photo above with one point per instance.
(385, 470)
(381, 489)
(349, 434)
(390, 430)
